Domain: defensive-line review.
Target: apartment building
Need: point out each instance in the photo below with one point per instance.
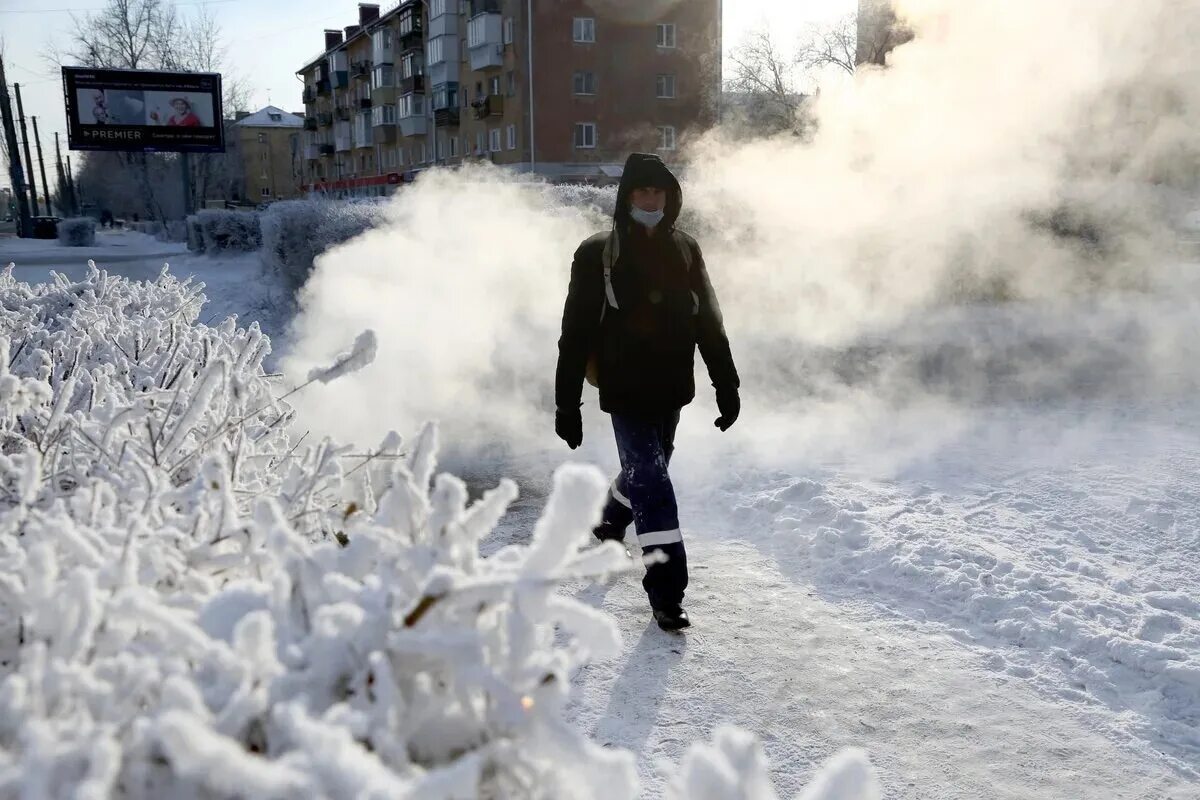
(562, 88)
(268, 144)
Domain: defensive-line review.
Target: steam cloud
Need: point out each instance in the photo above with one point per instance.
(991, 218)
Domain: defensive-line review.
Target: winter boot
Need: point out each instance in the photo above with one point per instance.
(675, 619)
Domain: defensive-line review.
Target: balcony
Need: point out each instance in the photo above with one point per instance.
(445, 117)
(414, 126)
(491, 105)
(383, 95)
(484, 7)
(310, 123)
(485, 41)
(343, 143)
(310, 94)
(445, 25)
(360, 70)
(364, 104)
(386, 133)
(323, 86)
(340, 79)
(310, 152)
(412, 39)
(342, 113)
(325, 149)
(413, 85)
(324, 119)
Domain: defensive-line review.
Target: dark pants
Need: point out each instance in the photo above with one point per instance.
(643, 494)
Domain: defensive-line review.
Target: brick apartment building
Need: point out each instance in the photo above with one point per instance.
(565, 93)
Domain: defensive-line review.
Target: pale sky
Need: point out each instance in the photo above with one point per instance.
(268, 40)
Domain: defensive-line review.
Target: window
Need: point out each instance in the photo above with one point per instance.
(265, 192)
(666, 35)
(412, 64)
(585, 83)
(479, 144)
(494, 140)
(421, 151)
(512, 83)
(585, 29)
(437, 8)
(382, 39)
(408, 23)
(445, 96)
(666, 137)
(437, 49)
(411, 105)
(665, 87)
(383, 76)
(383, 115)
(585, 135)
(453, 146)
(262, 138)
(275, 117)
(494, 85)
(508, 30)
(512, 137)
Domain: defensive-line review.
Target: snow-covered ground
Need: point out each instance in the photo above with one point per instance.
(1009, 610)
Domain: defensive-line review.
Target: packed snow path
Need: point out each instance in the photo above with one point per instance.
(1014, 616)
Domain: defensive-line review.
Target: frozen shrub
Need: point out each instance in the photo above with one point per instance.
(229, 230)
(77, 232)
(295, 232)
(173, 231)
(195, 234)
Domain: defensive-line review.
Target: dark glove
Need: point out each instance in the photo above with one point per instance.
(730, 405)
(568, 424)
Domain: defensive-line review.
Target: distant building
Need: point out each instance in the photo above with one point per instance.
(447, 82)
(879, 32)
(269, 152)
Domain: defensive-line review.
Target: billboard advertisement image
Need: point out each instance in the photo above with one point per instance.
(143, 110)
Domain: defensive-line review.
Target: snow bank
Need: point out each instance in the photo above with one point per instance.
(192, 603)
(77, 232)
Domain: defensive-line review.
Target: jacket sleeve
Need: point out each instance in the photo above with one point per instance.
(710, 329)
(581, 319)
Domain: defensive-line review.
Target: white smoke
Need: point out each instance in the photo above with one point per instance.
(956, 233)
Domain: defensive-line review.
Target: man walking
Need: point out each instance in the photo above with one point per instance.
(639, 304)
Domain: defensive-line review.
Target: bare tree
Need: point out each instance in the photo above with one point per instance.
(832, 46)
(879, 31)
(763, 94)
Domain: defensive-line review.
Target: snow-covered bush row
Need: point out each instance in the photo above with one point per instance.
(77, 232)
(175, 230)
(295, 232)
(193, 604)
(222, 230)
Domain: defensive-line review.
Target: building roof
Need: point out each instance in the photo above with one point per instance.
(271, 117)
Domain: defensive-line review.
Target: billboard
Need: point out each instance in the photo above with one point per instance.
(143, 110)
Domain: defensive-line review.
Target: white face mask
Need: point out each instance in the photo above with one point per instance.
(648, 218)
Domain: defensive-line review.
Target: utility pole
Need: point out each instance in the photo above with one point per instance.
(64, 194)
(28, 160)
(37, 140)
(76, 200)
(15, 172)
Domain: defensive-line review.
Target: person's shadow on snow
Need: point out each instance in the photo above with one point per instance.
(637, 693)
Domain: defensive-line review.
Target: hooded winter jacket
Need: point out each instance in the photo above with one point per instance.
(644, 324)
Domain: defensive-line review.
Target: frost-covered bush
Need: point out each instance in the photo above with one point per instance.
(193, 604)
(229, 230)
(173, 231)
(295, 232)
(77, 232)
(195, 234)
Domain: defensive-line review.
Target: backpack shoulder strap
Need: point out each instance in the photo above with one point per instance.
(612, 251)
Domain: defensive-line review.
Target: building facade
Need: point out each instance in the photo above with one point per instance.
(269, 154)
(561, 88)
